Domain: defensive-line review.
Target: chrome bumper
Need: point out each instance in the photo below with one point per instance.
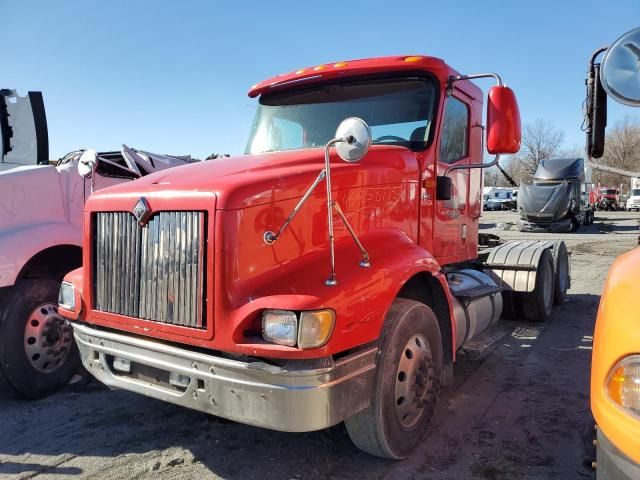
(256, 393)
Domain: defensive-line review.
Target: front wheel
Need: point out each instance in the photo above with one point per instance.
(37, 352)
(407, 383)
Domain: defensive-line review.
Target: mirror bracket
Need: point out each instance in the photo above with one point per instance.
(473, 76)
(355, 132)
(451, 81)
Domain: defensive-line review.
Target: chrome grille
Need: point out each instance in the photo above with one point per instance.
(154, 272)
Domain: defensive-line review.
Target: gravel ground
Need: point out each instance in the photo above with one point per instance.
(518, 408)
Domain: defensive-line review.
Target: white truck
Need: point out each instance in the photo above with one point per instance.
(499, 198)
(633, 202)
(41, 204)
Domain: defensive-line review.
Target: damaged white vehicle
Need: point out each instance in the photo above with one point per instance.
(41, 204)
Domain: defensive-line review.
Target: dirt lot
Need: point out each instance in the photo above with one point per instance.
(519, 408)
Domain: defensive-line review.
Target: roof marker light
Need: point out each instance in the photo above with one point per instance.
(302, 70)
(340, 64)
(320, 67)
(412, 59)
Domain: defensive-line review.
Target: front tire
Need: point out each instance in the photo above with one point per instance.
(37, 352)
(407, 384)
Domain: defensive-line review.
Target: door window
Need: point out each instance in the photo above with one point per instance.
(455, 131)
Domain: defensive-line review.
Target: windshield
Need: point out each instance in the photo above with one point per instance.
(635, 192)
(610, 192)
(399, 112)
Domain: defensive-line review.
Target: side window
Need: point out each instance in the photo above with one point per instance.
(455, 137)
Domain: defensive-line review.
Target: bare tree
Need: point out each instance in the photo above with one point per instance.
(494, 178)
(540, 140)
(622, 150)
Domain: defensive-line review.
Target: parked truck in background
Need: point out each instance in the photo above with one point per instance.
(633, 202)
(499, 198)
(559, 197)
(608, 198)
(615, 368)
(41, 206)
(325, 276)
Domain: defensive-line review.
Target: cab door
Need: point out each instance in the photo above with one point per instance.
(451, 219)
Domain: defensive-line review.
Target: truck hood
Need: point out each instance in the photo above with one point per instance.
(250, 180)
(545, 202)
(38, 194)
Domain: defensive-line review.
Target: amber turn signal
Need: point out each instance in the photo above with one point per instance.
(315, 328)
(623, 384)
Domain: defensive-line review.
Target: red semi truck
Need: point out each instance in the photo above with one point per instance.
(325, 276)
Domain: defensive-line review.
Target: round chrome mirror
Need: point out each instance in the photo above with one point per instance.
(358, 134)
(87, 163)
(620, 69)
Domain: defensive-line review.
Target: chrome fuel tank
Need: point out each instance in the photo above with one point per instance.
(477, 303)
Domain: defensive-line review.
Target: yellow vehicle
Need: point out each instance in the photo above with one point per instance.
(615, 369)
(615, 372)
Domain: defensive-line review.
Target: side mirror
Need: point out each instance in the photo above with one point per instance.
(358, 139)
(503, 121)
(598, 98)
(620, 69)
(88, 163)
(444, 187)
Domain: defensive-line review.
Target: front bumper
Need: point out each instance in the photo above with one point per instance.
(560, 226)
(612, 464)
(291, 398)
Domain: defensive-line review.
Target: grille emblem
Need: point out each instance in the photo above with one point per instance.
(142, 211)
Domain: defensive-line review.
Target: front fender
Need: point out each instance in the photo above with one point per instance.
(19, 245)
(360, 299)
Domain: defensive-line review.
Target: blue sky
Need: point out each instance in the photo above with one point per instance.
(173, 76)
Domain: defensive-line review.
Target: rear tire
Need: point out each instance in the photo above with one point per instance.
(538, 305)
(407, 383)
(37, 351)
(562, 280)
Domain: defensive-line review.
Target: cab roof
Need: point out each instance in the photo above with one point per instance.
(329, 71)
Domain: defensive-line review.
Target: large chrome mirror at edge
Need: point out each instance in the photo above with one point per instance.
(620, 70)
(358, 136)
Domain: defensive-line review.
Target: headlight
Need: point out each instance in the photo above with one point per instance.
(315, 328)
(280, 326)
(312, 330)
(623, 384)
(67, 297)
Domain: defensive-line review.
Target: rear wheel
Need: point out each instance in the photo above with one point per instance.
(37, 351)
(562, 278)
(407, 383)
(537, 305)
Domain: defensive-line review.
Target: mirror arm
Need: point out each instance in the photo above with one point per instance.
(492, 163)
(269, 237)
(455, 78)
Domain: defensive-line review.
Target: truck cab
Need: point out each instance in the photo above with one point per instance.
(327, 275)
